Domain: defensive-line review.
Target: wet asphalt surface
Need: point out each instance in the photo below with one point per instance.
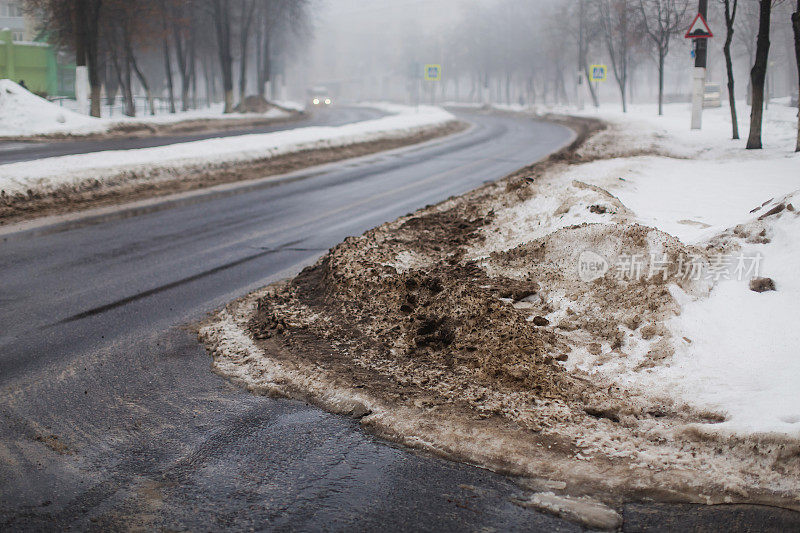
(110, 417)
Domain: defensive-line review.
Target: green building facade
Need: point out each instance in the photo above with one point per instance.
(37, 65)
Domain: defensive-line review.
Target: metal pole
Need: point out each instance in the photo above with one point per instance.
(579, 90)
(699, 74)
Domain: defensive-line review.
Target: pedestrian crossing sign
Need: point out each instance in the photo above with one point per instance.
(599, 72)
(433, 72)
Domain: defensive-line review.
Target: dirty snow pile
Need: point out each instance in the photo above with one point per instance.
(23, 114)
(49, 174)
(732, 351)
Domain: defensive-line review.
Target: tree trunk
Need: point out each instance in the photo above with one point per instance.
(266, 66)
(181, 54)
(139, 74)
(247, 24)
(729, 20)
(170, 81)
(222, 26)
(209, 85)
(796, 28)
(243, 76)
(92, 38)
(472, 89)
(127, 89)
(587, 75)
(123, 70)
(192, 44)
(758, 75)
(563, 96)
(168, 58)
(111, 82)
(259, 31)
(661, 83)
(193, 78)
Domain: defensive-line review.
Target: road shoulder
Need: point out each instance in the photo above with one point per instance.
(406, 329)
(133, 187)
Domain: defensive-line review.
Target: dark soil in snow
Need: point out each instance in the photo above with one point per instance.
(402, 328)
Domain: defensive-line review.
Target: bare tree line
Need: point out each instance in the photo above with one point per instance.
(121, 41)
(523, 50)
(529, 42)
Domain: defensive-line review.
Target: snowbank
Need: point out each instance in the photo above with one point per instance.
(504, 327)
(744, 358)
(22, 113)
(736, 352)
(46, 174)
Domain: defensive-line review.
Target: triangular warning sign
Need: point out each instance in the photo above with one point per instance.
(699, 28)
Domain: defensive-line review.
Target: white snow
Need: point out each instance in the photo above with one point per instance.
(742, 356)
(744, 359)
(22, 114)
(52, 172)
(290, 104)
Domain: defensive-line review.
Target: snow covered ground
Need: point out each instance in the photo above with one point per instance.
(50, 173)
(736, 352)
(22, 113)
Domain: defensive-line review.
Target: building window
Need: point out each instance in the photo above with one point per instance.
(18, 36)
(10, 10)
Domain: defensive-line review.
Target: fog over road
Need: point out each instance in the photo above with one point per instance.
(111, 417)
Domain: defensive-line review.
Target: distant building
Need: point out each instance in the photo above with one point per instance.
(13, 18)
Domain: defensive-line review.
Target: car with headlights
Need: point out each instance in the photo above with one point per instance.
(320, 96)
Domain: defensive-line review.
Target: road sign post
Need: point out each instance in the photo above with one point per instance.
(432, 72)
(699, 32)
(597, 74)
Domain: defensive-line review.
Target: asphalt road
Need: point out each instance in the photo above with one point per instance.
(13, 152)
(111, 418)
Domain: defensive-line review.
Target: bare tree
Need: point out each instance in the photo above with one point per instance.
(112, 38)
(75, 25)
(731, 8)
(165, 15)
(587, 33)
(221, 13)
(184, 17)
(662, 20)
(247, 10)
(758, 74)
(796, 29)
(616, 18)
(279, 20)
(129, 29)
